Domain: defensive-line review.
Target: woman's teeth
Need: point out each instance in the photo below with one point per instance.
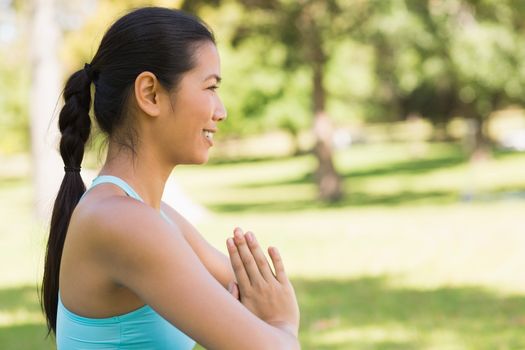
(208, 134)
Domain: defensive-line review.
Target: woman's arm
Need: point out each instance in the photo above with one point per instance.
(215, 261)
(141, 251)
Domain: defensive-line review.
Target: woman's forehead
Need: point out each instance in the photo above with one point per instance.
(207, 62)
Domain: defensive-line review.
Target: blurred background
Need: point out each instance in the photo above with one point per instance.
(379, 144)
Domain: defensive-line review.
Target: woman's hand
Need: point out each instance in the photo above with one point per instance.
(270, 297)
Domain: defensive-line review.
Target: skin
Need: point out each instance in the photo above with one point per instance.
(173, 268)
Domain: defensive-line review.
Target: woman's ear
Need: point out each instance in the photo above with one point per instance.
(147, 93)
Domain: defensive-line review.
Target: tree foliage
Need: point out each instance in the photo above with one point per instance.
(380, 60)
(442, 59)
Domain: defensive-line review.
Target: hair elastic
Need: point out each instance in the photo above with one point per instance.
(72, 169)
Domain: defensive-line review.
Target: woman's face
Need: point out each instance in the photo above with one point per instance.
(194, 110)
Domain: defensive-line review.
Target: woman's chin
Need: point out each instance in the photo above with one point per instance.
(201, 159)
(194, 159)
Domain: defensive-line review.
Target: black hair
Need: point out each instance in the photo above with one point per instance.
(159, 40)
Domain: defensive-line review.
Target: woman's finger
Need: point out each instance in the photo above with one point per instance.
(259, 257)
(237, 265)
(247, 258)
(278, 265)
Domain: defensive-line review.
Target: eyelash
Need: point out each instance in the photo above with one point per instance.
(215, 87)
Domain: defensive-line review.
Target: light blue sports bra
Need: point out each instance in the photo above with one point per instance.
(141, 329)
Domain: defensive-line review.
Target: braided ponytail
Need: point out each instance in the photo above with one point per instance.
(75, 125)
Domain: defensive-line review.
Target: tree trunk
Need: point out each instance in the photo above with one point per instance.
(45, 91)
(476, 143)
(482, 143)
(440, 131)
(328, 181)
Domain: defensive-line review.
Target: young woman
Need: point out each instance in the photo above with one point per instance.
(124, 270)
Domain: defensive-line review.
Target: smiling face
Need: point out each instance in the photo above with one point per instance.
(191, 113)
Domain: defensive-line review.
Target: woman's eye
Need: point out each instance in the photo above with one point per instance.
(214, 87)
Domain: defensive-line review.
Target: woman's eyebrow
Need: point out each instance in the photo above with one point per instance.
(213, 76)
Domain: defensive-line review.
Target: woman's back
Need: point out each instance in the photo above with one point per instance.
(142, 328)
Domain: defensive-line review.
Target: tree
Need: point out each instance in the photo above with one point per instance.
(442, 59)
(306, 30)
(45, 88)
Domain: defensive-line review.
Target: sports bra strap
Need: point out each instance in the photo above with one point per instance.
(118, 182)
(124, 186)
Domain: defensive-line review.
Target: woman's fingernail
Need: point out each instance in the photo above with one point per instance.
(249, 237)
(229, 243)
(237, 233)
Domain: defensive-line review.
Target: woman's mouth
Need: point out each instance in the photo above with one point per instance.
(208, 134)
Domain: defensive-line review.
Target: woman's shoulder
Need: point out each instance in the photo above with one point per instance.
(108, 219)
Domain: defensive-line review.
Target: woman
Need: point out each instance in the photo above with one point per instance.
(124, 270)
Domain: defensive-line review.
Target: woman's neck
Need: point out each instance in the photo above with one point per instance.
(142, 171)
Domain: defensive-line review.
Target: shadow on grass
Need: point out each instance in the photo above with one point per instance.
(499, 153)
(239, 160)
(416, 166)
(25, 297)
(27, 336)
(367, 313)
(359, 199)
(361, 313)
(353, 199)
(27, 330)
(410, 167)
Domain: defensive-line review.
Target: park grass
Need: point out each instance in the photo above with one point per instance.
(424, 252)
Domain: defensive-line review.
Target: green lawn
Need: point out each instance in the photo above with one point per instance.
(424, 253)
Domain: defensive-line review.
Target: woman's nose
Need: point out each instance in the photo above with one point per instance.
(220, 112)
